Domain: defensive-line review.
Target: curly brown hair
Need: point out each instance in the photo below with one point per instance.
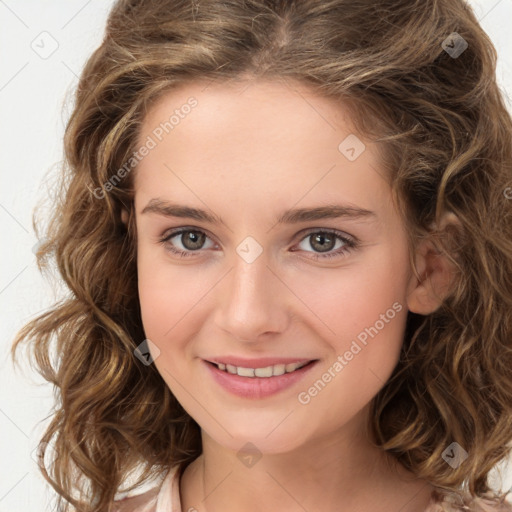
(413, 85)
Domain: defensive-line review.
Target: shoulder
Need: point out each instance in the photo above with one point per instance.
(164, 496)
(145, 502)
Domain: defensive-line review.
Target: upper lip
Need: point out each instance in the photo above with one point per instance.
(260, 362)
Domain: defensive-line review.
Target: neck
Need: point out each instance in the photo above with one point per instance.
(342, 467)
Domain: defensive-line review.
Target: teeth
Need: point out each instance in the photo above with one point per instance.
(278, 369)
(267, 371)
(245, 372)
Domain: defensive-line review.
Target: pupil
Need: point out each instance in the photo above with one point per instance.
(325, 242)
(193, 240)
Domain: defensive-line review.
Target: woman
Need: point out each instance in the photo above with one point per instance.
(287, 234)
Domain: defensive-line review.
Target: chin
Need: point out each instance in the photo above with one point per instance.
(265, 441)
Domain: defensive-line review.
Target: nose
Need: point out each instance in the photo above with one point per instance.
(252, 301)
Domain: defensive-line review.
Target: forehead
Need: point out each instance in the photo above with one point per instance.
(266, 106)
(245, 135)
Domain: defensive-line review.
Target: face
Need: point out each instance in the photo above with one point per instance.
(267, 240)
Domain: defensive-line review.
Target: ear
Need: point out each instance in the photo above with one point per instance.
(436, 273)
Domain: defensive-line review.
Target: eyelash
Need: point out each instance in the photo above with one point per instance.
(350, 243)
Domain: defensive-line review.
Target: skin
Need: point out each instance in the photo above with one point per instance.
(247, 152)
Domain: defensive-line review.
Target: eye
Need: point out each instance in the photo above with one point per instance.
(191, 240)
(324, 241)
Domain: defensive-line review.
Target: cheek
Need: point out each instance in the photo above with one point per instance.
(361, 357)
(362, 312)
(167, 293)
(349, 299)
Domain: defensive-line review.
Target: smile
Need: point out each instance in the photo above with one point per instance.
(258, 381)
(265, 372)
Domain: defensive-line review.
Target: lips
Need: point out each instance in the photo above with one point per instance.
(255, 378)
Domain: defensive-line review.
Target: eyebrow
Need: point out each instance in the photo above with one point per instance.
(293, 216)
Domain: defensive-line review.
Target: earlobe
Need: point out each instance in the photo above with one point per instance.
(436, 275)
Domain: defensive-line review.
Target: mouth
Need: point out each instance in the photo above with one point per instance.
(258, 379)
(273, 370)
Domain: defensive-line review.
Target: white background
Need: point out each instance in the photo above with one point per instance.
(34, 106)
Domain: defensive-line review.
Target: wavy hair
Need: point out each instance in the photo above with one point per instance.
(446, 136)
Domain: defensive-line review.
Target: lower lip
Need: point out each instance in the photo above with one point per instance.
(257, 387)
